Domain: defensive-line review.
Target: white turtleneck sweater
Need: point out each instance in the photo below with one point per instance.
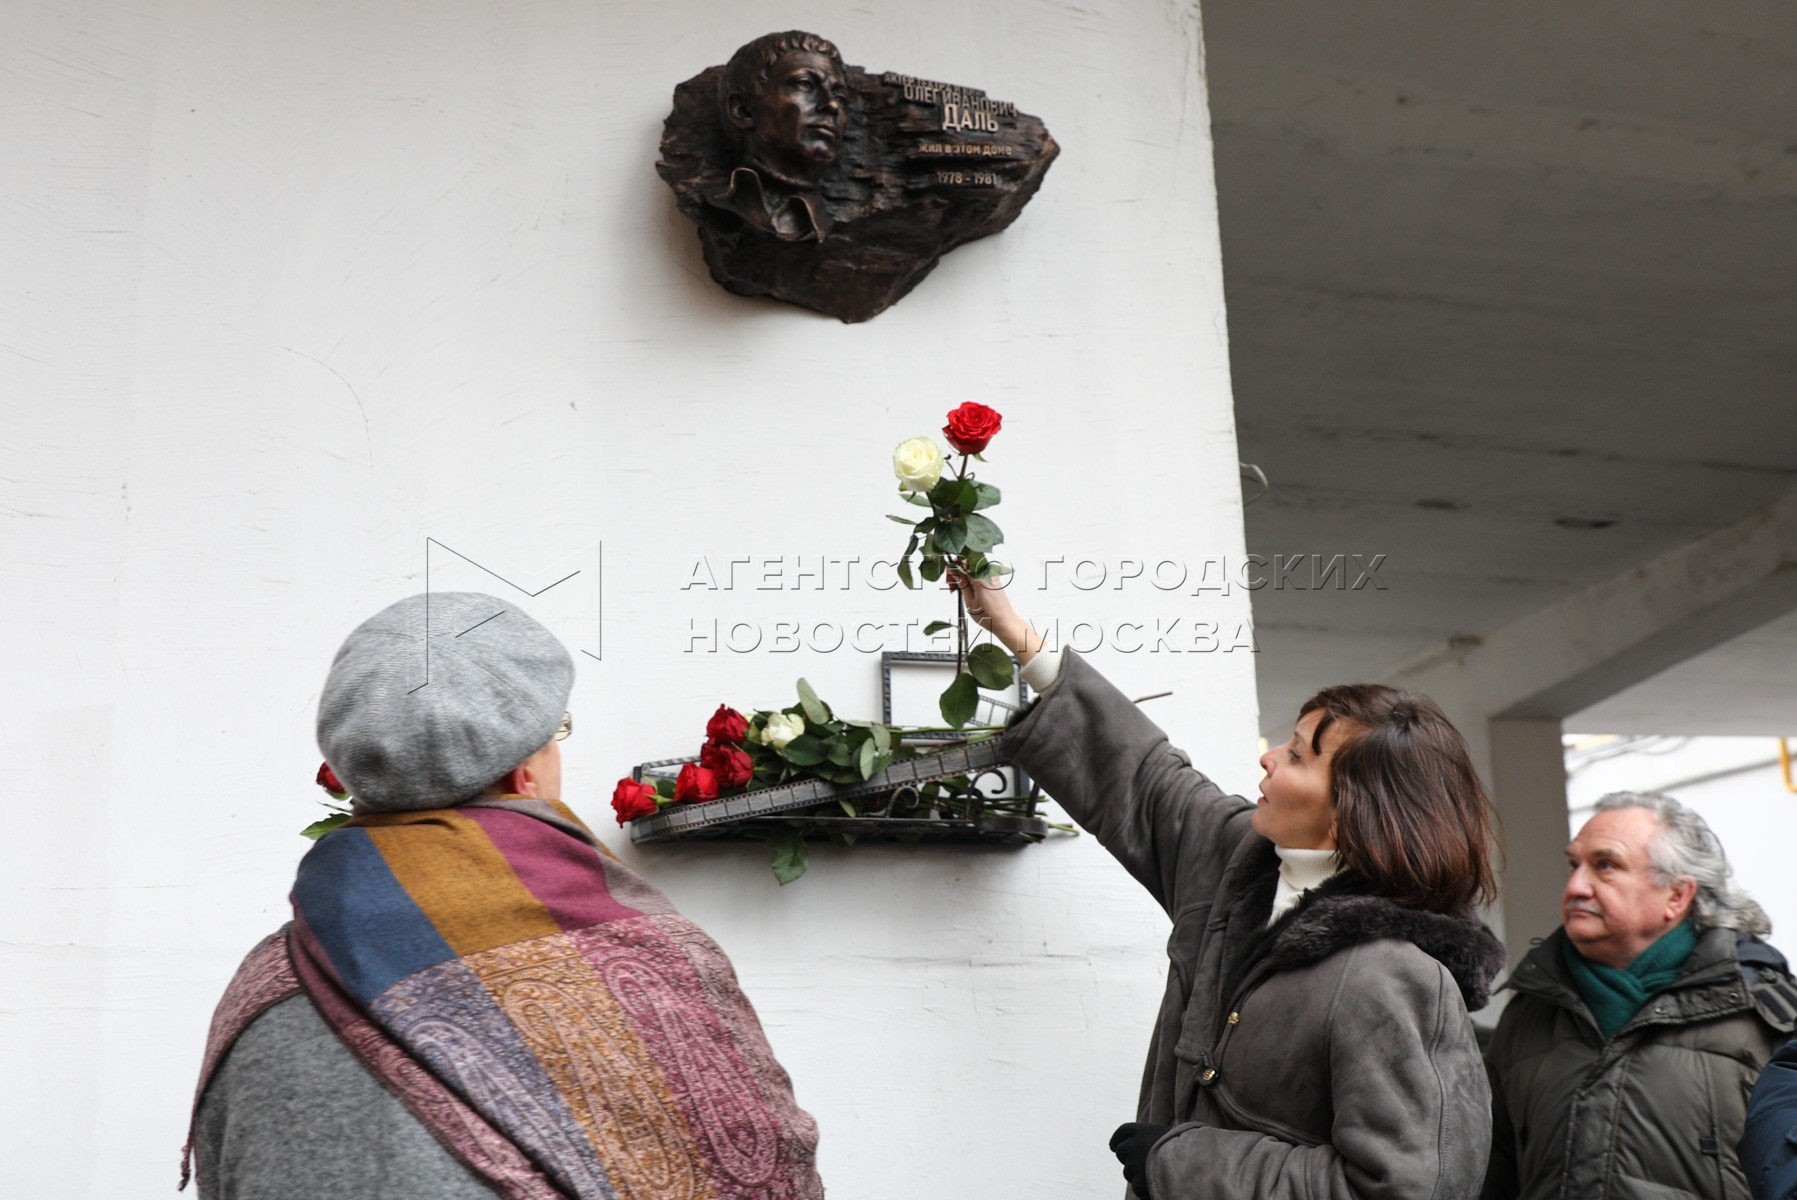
(1299, 871)
(1041, 671)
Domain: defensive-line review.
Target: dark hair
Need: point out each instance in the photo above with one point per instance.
(1411, 816)
(748, 69)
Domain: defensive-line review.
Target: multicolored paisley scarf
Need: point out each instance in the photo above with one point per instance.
(537, 1005)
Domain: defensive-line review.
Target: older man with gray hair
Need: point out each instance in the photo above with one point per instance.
(1620, 1068)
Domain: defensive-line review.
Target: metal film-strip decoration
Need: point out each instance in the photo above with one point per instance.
(977, 761)
(997, 711)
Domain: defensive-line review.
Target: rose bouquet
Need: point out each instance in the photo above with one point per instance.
(807, 740)
(763, 749)
(958, 536)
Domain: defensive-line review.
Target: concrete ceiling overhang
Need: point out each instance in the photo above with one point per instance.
(1512, 300)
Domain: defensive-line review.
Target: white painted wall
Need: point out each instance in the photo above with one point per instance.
(291, 287)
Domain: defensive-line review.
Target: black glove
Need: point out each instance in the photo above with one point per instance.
(1131, 1144)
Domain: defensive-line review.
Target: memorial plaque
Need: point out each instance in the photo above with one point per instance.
(833, 188)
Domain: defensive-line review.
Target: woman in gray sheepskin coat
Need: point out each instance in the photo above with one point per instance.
(1314, 1040)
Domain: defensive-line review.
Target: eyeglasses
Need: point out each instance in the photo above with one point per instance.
(565, 728)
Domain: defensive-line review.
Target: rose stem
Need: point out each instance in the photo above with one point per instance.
(961, 627)
(960, 597)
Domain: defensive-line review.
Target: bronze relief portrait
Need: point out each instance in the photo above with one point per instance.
(821, 184)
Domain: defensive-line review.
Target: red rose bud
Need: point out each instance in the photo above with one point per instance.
(695, 783)
(971, 426)
(727, 725)
(730, 766)
(631, 800)
(327, 779)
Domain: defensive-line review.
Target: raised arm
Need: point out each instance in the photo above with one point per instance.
(1113, 769)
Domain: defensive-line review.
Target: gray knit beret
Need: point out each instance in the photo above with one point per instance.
(498, 686)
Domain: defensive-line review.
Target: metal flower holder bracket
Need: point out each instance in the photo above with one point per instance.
(994, 802)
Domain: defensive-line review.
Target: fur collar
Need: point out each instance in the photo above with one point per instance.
(1340, 913)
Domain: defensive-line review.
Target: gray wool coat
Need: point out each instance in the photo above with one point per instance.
(1330, 1057)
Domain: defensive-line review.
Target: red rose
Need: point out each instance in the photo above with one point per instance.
(695, 783)
(971, 426)
(631, 800)
(731, 767)
(727, 725)
(327, 779)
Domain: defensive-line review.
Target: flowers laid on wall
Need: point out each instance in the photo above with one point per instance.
(327, 779)
(804, 741)
(958, 536)
(807, 740)
(338, 803)
(632, 799)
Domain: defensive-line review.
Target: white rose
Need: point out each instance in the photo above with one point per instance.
(781, 729)
(918, 463)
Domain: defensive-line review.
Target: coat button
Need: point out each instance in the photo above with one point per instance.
(1210, 1073)
(1235, 1018)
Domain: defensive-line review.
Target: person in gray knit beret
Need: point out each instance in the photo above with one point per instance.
(1314, 1039)
(474, 998)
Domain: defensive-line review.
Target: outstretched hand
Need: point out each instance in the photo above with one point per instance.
(990, 607)
(987, 603)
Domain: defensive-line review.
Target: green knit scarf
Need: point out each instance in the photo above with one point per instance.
(1613, 995)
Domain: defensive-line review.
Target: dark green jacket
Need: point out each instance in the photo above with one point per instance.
(1652, 1114)
(1330, 1058)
